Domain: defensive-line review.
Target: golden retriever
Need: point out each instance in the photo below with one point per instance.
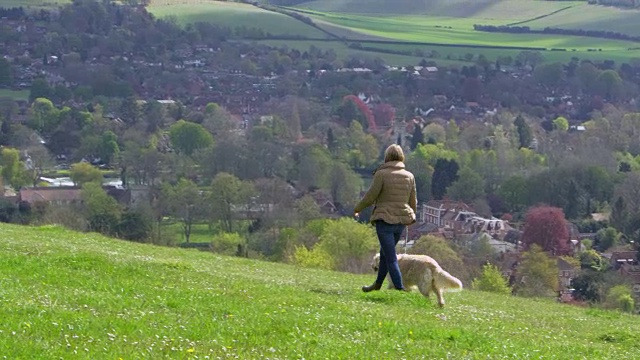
(423, 272)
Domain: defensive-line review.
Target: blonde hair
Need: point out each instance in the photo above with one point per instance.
(393, 153)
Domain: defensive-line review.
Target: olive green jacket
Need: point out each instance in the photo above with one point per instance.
(393, 192)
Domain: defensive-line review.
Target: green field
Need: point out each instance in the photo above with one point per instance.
(590, 17)
(32, 3)
(83, 296)
(479, 9)
(15, 94)
(233, 15)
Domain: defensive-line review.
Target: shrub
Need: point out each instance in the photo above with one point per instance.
(491, 281)
(619, 297)
(316, 258)
(227, 243)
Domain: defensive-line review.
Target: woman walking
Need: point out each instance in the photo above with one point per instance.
(393, 194)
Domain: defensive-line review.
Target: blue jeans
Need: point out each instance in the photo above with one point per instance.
(389, 235)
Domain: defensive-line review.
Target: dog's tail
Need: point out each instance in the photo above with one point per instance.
(449, 282)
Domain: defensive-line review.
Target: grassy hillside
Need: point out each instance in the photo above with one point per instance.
(83, 296)
(233, 15)
(590, 17)
(489, 9)
(15, 94)
(32, 3)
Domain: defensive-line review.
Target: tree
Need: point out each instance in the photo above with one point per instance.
(344, 184)
(546, 227)
(13, 170)
(186, 204)
(439, 249)
(228, 199)
(349, 243)
(524, 132)
(418, 136)
(83, 172)
(445, 172)
(135, 225)
(550, 74)
(108, 147)
(43, 115)
(587, 286)
(607, 238)
(561, 124)
(468, 187)
(102, 211)
(537, 274)
(620, 297)
(187, 137)
(492, 281)
(514, 193)
(6, 76)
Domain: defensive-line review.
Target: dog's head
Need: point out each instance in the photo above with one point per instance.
(376, 262)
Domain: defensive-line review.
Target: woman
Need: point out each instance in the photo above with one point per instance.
(393, 192)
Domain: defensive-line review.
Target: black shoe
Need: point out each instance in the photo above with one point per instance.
(374, 286)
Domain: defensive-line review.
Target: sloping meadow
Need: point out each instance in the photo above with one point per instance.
(83, 296)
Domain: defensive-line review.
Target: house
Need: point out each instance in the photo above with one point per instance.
(51, 195)
(620, 258)
(566, 273)
(447, 214)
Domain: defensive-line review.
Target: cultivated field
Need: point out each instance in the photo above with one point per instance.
(15, 94)
(83, 296)
(233, 15)
(590, 17)
(479, 9)
(32, 3)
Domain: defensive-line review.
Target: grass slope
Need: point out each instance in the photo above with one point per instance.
(15, 94)
(83, 296)
(489, 9)
(32, 3)
(233, 15)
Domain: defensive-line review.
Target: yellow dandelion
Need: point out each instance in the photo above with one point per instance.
(192, 350)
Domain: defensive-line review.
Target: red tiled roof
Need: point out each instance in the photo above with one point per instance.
(49, 194)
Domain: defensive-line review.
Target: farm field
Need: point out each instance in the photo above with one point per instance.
(83, 296)
(500, 10)
(233, 15)
(15, 94)
(32, 3)
(590, 17)
(458, 31)
(344, 52)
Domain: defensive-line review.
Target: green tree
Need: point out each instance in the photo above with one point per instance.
(439, 249)
(102, 211)
(109, 148)
(228, 199)
(620, 297)
(135, 225)
(524, 131)
(349, 244)
(344, 184)
(13, 170)
(43, 115)
(537, 274)
(561, 124)
(492, 281)
(83, 172)
(609, 84)
(468, 187)
(6, 74)
(187, 137)
(186, 204)
(607, 238)
(445, 173)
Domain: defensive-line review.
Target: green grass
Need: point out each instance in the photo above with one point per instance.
(489, 9)
(15, 94)
(83, 296)
(590, 17)
(230, 14)
(32, 3)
